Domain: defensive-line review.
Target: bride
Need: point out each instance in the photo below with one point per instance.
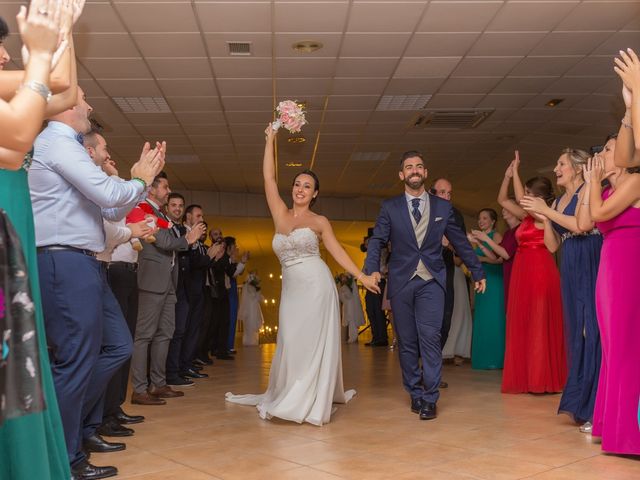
(306, 370)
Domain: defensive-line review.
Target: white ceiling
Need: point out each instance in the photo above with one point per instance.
(511, 56)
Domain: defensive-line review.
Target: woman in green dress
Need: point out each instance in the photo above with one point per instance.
(32, 445)
(487, 347)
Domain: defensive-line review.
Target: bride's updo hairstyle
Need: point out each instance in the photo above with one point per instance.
(315, 181)
(541, 187)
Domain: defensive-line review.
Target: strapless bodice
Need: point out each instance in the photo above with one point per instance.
(300, 243)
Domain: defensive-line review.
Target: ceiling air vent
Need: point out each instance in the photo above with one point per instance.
(142, 104)
(451, 119)
(239, 48)
(402, 102)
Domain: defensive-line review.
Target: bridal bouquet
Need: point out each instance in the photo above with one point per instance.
(290, 116)
(254, 281)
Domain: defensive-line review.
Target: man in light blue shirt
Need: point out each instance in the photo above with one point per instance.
(86, 332)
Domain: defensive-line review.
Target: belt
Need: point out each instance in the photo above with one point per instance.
(65, 248)
(296, 260)
(133, 267)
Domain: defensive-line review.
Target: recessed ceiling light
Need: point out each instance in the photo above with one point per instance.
(296, 139)
(307, 46)
(403, 102)
(554, 102)
(142, 104)
(293, 164)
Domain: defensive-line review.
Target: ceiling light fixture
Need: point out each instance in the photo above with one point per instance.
(293, 164)
(554, 102)
(296, 139)
(307, 46)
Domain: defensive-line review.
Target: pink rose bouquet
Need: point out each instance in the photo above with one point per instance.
(290, 116)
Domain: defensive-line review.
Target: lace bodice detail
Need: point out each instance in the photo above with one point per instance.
(300, 243)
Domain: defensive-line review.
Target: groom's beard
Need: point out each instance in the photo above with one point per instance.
(414, 182)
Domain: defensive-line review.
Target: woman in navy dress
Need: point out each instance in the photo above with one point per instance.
(579, 269)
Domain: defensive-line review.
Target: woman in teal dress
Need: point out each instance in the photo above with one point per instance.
(32, 445)
(487, 346)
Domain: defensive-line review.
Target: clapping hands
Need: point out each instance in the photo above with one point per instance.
(151, 162)
(628, 69)
(534, 205)
(594, 171)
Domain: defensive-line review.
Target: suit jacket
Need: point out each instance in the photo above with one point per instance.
(394, 223)
(199, 264)
(447, 253)
(219, 269)
(155, 271)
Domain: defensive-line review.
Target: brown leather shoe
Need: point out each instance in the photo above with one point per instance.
(164, 392)
(146, 399)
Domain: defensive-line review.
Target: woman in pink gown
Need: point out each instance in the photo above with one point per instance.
(616, 211)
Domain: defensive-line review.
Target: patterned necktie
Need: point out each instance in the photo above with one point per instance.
(416, 210)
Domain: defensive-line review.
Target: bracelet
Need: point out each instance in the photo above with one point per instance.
(138, 179)
(38, 87)
(360, 276)
(585, 203)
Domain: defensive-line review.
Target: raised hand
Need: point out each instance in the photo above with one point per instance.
(216, 250)
(628, 69)
(149, 165)
(516, 162)
(77, 7)
(196, 232)
(40, 26)
(627, 96)
(270, 133)
(534, 205)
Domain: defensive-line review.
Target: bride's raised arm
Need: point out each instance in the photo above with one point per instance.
(276, 205)
(338, 253)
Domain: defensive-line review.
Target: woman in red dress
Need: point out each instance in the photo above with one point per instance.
(535, 358)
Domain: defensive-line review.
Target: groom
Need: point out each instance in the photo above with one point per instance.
(415, 223)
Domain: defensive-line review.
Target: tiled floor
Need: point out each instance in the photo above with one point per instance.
(479, 432)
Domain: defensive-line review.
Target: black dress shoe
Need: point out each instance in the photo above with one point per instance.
(233, 351)
(111, 428)
(428, 411)
(191, 373)
(96, 443)
(416, 405)
(197, 368)
(86, 471)
(444, 385)
(123, 418)
(224, 356)
(204, 361)
(180, 382)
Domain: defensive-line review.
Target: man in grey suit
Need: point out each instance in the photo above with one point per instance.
(157, 279)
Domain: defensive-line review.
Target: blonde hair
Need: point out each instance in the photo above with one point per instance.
(577, 157)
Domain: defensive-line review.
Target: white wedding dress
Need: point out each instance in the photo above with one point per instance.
(306, 371)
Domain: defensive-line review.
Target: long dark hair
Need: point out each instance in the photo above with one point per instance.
(541, 187)
(316, 182)
(4, 29)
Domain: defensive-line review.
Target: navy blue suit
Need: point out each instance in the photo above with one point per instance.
(418, 305)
